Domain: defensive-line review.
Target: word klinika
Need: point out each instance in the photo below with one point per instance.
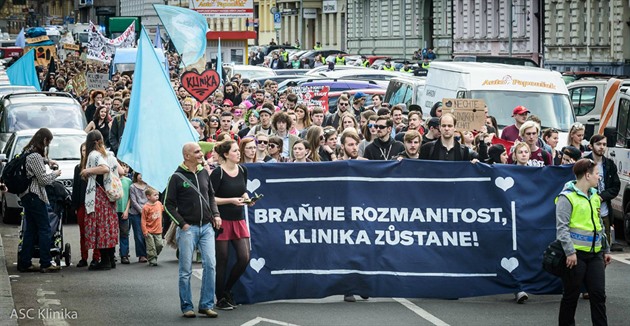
(202, 81)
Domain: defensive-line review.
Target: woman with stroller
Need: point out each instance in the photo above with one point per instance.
(34, 201)
(101, 223)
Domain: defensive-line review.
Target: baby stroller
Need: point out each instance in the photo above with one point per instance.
(59, 199)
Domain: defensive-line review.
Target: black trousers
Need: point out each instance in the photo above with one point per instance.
(589, 271)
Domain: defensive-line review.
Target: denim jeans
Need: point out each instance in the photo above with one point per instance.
(123, 226)
(201, 237)
(37, 225)
(138, 237)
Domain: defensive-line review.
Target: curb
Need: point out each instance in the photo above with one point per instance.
(6, 296)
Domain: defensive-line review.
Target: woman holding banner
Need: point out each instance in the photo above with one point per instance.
(581, 231)
(229, 182)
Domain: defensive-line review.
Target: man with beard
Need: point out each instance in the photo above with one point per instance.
(290, 103)
(414, 121)
(259, 98)
(609, 184)
(350, 144)
(230, 94)
(412, 145)
(445, 148)
(343, 104)
(384, 147)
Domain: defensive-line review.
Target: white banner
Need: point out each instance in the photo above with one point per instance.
(223, 8)
(329, 6)
(102, 49)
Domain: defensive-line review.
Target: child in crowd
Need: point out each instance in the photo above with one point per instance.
(137, 199)
(152, 225)
(122, 209)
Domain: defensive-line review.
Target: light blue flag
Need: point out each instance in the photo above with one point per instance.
(23, 72)
(187, 29)
(157, 42)
(220, 63)
(20, 40)
(157, 127)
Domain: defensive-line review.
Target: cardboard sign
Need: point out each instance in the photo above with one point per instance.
(79, 84)
(469, 113)
(71, 47)
(200, 86)
(38, 39)
(97, 81)
(312, 96)
(43, 54)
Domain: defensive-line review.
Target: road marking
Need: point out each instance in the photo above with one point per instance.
(50, 316)
(622, 258)
(258, 320)
(421, 312)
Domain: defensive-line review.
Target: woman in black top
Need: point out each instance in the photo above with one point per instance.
(101, 122)
(229, 182)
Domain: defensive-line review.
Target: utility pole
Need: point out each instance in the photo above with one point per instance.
(300, 23)
(404, 28)
(510, 23)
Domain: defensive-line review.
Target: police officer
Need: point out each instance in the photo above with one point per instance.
(284, 55)
(340, 59)
(318, 46)
(406, 67)
(425, 63)
(388, 66)
(364, 61)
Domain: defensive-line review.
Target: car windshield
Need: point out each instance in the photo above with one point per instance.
(253, 74)
(63, 147)
(554, 110)
(33, 116)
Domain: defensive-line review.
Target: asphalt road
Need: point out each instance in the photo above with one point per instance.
(137, 294)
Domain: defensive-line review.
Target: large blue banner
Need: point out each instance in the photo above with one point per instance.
(399, 229)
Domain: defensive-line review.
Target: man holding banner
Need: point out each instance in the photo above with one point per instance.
(445, 148)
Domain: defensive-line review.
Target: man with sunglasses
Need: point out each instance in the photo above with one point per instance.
(343, 104)
(511, 133)
(608, 186)
(384, 147)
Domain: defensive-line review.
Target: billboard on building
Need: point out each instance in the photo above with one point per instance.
(223, 8)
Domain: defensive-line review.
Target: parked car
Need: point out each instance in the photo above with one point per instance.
(343, 84)
(291, 72)
(34, 110)
(315, 71)
(247, 71)
(571, 76)
(497, 59)
(333, 97)
(65, 149)
(406, 90)
(381, 77)
(10, 89)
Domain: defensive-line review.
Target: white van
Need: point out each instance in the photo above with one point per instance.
(124, 60)
(503, 87)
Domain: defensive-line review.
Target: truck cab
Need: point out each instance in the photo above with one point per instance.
(615, 125)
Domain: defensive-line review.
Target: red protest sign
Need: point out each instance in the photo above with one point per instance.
(312, 96)
(200, 86)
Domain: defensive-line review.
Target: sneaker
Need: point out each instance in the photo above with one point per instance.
(124, 260)
(189, 314)
(223, 305)
(50, 269)
(521, 297)
(30, 269)
(364, 297)
(142, 259)
(209, 313)
(82, 263)
(230, 299)
(152, 264)
(93, 265)
(349, 298)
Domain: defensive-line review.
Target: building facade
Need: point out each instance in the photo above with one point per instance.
(588, 35)
(316, 21)
(16, 14)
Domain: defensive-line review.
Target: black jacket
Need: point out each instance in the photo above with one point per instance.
(183, 203)
(431, 151)
(116, 132)
(612, 184)
(79, 185)
(379, 150)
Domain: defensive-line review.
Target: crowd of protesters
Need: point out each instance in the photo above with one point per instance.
(247, 124)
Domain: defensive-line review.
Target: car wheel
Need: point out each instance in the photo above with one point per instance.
(626, 226)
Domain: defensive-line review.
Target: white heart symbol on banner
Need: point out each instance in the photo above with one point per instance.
(253, 185)
(504, 183)
(257, 264)
(509, 264)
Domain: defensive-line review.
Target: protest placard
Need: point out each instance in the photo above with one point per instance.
(79, 83)
(73, 47)
(96, 80)
(312, 96)
(200, 86)
(468, 112)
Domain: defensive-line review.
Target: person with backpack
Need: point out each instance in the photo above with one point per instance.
(35, 201)
(101, 170)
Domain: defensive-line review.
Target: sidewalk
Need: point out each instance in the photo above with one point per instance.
(6, 297)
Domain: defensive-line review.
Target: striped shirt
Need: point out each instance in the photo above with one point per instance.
(36, 169)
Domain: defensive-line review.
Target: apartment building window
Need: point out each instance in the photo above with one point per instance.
(484, 16)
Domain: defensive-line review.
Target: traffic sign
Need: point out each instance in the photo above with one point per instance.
(277, 20)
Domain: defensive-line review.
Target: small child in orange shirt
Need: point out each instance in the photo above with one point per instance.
(152, 225)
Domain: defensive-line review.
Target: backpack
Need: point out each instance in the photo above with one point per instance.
(14, 174)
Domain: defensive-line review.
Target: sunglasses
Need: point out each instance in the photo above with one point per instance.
(272, 145)
(380, 127)
(227, 105)
(214, 120)
(371, 125)
(343, 104)
(264, 142)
